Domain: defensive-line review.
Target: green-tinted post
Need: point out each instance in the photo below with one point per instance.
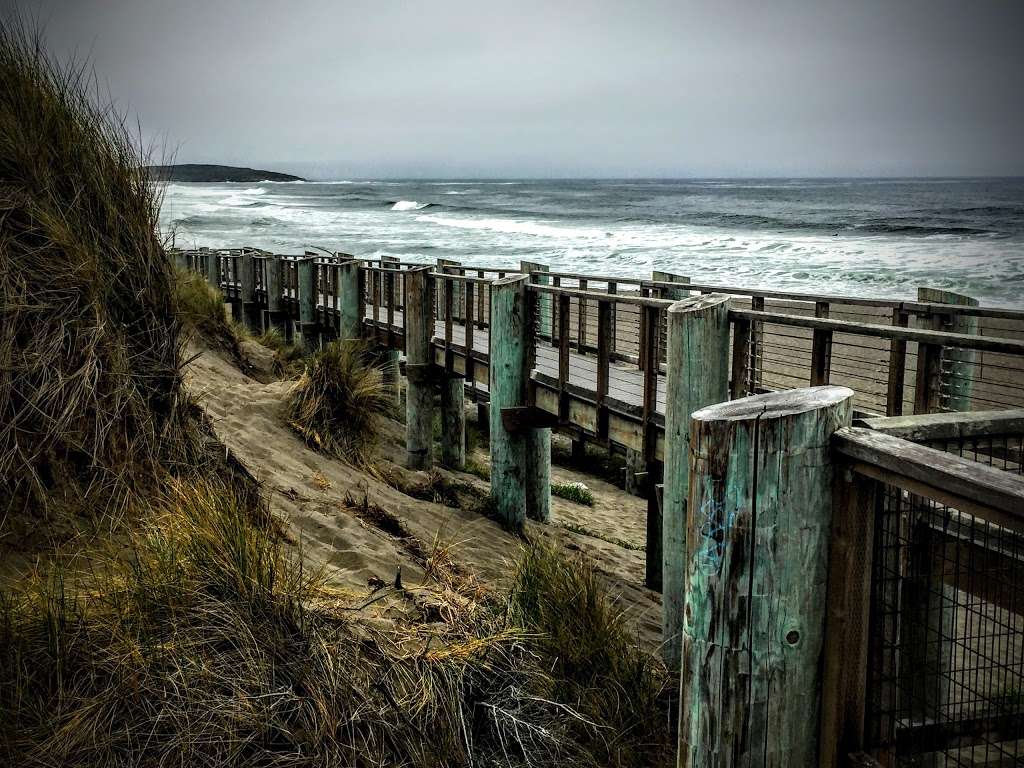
(453, 422)
(946, 373)
(213, 269)
(307, 301)
(696, 375)
(507, 386)
(419, 398)
(675, 294)
(349, 301)
(758, 537)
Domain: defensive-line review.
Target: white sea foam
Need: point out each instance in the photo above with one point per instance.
(408, 205)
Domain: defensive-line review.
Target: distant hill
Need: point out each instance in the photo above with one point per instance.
(197, 172)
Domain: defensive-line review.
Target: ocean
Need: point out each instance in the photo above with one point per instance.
(855, 237)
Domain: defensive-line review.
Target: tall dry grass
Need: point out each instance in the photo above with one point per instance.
(337, 403)
(89, 361)
(213, 645)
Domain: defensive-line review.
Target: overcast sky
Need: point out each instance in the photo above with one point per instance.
(523, 88)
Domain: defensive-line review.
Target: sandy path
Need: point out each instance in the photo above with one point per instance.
(309, 491)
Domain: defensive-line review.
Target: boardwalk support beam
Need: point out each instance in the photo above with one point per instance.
(696, 375)
(758, 551)
(419, 400)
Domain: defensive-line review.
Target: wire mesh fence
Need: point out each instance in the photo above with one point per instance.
(947, 653)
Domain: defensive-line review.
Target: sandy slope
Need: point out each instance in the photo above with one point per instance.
(309, 490)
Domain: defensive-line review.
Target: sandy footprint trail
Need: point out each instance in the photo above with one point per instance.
(313, 494)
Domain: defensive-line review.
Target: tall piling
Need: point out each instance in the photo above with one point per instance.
(757, 548)
(350, 302)
(453, 422)
(696, 375)
(419, 368)
(507, 386)
(307, 302)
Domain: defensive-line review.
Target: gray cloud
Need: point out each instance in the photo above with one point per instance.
(540, 88)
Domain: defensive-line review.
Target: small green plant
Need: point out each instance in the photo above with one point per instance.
(577, 492)
(337, 403)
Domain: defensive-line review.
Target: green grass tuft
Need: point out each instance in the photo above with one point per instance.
(595, 659)
(577, 492)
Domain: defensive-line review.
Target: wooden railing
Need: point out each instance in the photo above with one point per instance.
(924, 654)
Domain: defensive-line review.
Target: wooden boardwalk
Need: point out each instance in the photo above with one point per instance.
(625, 380)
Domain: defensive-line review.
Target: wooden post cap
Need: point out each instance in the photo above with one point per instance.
(775, 404)
(698, 303)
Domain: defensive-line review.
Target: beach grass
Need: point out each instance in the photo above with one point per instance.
(338, 401)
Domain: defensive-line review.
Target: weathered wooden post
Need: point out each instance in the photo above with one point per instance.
(536, 270)
(275, 289)
(944, 374)
(758, 531)
(507, 386)
(389, 356)
(419, 370)
(247, 291)
(453, 422)
(350, 302)
(213, 269)
(636, 464)
(447, 266)
(675, 294)
(307, 301)
(696, 375)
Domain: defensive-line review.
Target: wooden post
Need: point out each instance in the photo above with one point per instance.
(675, 294)
(453, 422)
(247, 291)
(821, 349)
(845, 664)
(635, 465)
(350, 303)
(537, 270)
(508, 353)
(419, 397)
(945, 375)
(453, 289)
(758, 551)
(307, 300)
(213, 269)
(897, 367)
(696, 375)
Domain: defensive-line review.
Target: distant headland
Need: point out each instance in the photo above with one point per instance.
(199, 172)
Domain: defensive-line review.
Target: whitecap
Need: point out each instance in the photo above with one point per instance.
(408, 205)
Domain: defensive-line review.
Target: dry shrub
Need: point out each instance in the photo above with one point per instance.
(214, 646)
(337, 403)
(89, 340)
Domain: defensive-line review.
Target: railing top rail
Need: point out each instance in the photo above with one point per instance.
(603, 278)
(975, 488)
(939, 338)
(949, 426)
(461, 278)
(642, 301)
